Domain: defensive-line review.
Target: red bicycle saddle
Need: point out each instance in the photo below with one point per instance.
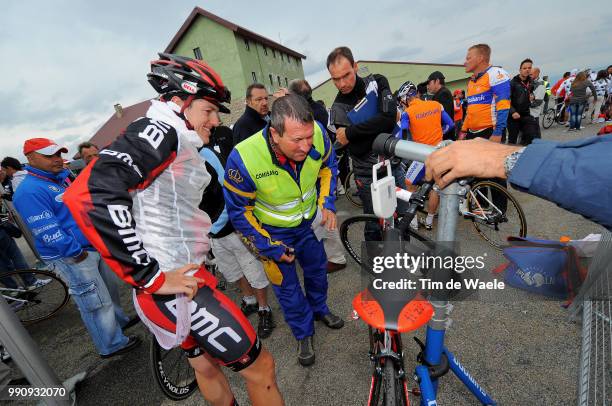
(413, 316)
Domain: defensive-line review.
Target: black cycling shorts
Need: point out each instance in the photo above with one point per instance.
(218, 326)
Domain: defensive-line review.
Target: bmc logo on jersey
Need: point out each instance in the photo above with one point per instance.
(189, 87)
(122, 218)
(154, 133)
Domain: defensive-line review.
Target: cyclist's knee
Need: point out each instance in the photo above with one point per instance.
(262, 371)
(205, 367)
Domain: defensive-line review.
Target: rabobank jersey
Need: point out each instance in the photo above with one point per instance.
(488, 96)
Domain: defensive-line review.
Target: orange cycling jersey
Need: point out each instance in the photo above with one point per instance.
(425, 118)
(488, 96)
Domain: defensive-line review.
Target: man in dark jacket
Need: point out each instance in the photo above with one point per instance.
(520, 120)
(435, 86)
(358, 136)
(256, 114)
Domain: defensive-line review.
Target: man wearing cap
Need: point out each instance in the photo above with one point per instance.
(435, 86)
(39, 201)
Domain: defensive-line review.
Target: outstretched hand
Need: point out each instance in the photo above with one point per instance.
(479, 158)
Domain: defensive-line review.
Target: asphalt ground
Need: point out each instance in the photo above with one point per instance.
(521, 348)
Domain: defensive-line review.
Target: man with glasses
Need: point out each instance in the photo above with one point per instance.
(256, 114)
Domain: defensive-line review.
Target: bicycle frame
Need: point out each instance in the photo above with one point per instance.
(448, 214)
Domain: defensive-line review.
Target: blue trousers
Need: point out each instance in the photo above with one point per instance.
(102, 316)
(299, 307)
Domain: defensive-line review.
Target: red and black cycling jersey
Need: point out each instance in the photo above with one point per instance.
(101, 200)
(134, 163)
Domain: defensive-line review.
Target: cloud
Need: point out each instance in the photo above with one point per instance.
(399, 53)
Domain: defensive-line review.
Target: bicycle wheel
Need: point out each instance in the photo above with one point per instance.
(172, 371)
(389, 384)
(495, 213)
(549, 118)
(350, 190)
(32, 304)
(352, 235)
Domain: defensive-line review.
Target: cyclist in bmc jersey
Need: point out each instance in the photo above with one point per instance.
(140, 204)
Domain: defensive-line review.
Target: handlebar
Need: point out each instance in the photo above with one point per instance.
(388, 145)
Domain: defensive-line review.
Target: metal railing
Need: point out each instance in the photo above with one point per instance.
(594, 306)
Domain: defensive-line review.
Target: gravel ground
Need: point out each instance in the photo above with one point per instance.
(519, 347)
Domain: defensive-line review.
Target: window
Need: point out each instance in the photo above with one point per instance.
(279, 82)
(246, 44)
(282, 59)
(286, 82)
(273, 54)
(254, 77)
(271, 80)
(265, 50)
(197, 53)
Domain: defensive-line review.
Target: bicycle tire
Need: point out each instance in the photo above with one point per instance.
(174, 389)
(479, 226)
(350, 190)
(351, 247)
(40, 303)
(389, 384)
(549, 118)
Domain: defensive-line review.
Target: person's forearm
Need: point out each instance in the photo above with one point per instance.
(573, 175)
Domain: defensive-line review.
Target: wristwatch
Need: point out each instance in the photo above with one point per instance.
(511, 160)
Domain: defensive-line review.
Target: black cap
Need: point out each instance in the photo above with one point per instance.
(435, 75)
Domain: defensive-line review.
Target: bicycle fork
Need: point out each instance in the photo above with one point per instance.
(386, 346)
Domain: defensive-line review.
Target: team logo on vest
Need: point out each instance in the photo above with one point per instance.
(54, 188)
(235, 175)
(271, 172)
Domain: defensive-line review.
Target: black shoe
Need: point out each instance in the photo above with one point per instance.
(306, 354)
(331, 321)
(266, 323)
(248, 309)
(133, 342)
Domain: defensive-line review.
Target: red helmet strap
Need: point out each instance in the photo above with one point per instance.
(186, 104)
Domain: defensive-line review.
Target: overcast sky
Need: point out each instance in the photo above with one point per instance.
(65, 63)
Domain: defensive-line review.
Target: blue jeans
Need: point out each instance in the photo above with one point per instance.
(12, 259)
(576, 110)
(102, 318)
(372, 231)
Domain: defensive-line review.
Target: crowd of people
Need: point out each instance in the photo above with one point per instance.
(149, 208)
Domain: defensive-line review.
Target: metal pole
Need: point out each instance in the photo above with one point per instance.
(26, 354)
(447, 224)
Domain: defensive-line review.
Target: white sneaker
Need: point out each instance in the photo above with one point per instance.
(414, 224)
(340, 189)
(38, 284)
